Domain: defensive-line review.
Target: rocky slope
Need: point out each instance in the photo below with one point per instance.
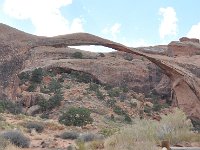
(21, 52)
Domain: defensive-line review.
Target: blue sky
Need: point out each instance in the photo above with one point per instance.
(131, 22)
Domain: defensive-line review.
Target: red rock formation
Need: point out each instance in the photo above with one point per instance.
(17, 46)
(185, 47)
(185, 39)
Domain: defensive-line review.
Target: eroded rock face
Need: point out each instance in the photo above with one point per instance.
(16, 49)
(184, 47)
(185, 39)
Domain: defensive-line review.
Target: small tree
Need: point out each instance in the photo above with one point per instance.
(76, 116)
(37, 75)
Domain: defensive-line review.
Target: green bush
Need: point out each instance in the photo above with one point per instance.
(77, 55)
(54, 86)
(50, 104)
(9, 106)
(118, 110)
(76, 117)
(24, 76)
(16, 138)
(37, 75)
(39, 127)
(93, 87)
(32, 87)
(127, 118)
(115, 92)
(100, 95)
(81, 76)
(69, 135)
(156, 107)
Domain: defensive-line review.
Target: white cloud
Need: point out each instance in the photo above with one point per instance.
(169, 21)
(45, 15)
(194, 31)
(113, 30)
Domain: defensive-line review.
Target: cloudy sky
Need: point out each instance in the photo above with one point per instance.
(131, 22)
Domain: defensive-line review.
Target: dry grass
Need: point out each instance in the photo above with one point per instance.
(12, 147)
(146, 134)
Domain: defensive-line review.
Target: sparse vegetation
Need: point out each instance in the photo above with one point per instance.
(50, 104)
(16, 138)
(69, 135)
(76, 117)
(128, 57)
(54, 86)
(111, 102)
(174, 127)
(118, 110)
(9, 106)
(81, 77)
(87, 137)
(115, 92)
(107, 132)
(32, 87)
(77, 55)
(39, 127)
(37, 75)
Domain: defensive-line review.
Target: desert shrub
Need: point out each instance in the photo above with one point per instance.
(69, 135)
(127, 118)
(24, 76)
(147, 109)
(122, 97)
(95, 145)
(81, 76)
(43, 103)
(37, 75)
(54, 86)
(16, 138)
(93, 87)
(77, 55)
(118, 110)
(100, 95)
(174, 127)
(50, 104)
(111, 103)
(115, 92)
(128, 57)
(87, 137)
(106, 132)
(156, 107)
(44, 115)
(76, 117)
(32, 87)
(39, 127)
(55, 100)
(11, 107)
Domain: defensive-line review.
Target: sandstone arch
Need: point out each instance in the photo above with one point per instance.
(15, 47)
